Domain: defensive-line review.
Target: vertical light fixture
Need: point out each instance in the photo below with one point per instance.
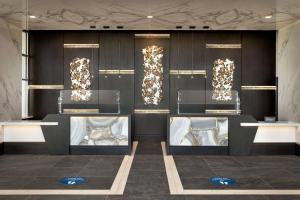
(222, 80)
(153, 75)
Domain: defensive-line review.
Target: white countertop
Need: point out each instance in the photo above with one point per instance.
(273, 124)
(27, 123)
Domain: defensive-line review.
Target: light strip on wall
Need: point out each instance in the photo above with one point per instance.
(151, 111)
(188, 72)
(81, 111)
(221, 112)
(116, 71)
(45, 87)
(223, 46)
(152, 35)
(86, 46)
(250, 87)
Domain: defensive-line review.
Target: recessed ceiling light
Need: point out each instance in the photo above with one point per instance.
(149, 16)
(32, 16)
(268, 17)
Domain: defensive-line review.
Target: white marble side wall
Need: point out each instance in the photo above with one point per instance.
(10, 71)
(288, 72)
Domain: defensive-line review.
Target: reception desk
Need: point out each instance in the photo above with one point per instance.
(230, 135)
(63, 134)
(211, 134)
(22, 131)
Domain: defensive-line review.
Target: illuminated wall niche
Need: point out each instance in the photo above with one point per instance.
(80, 79)
(222, 80)
(153, 75)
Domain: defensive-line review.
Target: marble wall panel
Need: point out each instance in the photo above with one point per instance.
(10, 71)
(288, 72)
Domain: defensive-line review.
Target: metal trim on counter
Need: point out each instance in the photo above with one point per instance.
(152, 35)
(258, 87)
(83, 46)
(223, 46)
(223, 112)
(151, 111)
(28, 123)
(271, 124)
(45, 87)
(80, 111)
(188, 72)
(115, 71)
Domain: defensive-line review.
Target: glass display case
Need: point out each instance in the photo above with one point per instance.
(89, 102)
(208, 102)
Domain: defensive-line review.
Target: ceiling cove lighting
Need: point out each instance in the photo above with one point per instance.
(268, 17)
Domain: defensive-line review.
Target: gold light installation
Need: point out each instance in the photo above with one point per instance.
(80, 79)
(153, 75)
(222, 80)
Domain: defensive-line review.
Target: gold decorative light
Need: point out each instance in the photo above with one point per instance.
(222, 80)
(153, 75)
(80, 79)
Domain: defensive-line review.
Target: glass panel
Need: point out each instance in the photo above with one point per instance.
(208, 101)
(89, 101)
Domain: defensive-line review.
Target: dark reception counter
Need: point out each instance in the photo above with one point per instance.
(88, 134)
(210, 134)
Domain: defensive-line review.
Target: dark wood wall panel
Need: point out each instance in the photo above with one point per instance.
(184, 50)
(46, 57)
(125, 84)
(185, 83)
(259, 58)
(43, 102)
(258, 104)
(187, 51)
(116, 50)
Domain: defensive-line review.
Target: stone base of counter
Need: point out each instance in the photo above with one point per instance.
(1, 148)
(100, 150)
(25, 148)
(204, 150)
(297, 149)
(273, 149)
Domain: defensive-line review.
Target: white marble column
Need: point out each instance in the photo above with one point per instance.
(10, 71)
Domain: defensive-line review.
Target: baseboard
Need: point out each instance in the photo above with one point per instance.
(273, 149)
(1, 148)
(25, 148)
(100, 150)
(297, 149)
(148, 138)
(200, 150)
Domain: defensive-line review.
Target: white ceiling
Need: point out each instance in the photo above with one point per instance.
(167, 14)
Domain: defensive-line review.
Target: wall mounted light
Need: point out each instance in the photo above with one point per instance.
(32, 17)
(149, 16)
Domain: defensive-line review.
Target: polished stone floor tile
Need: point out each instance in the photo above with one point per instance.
(73, 161)
(72, 197)
(15, 197)
(241, 183)
(53, 183)
(221, 162)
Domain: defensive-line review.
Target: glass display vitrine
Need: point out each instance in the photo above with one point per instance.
(89, 101)
(208, 102)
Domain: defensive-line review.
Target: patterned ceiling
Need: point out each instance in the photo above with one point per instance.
(167, 14)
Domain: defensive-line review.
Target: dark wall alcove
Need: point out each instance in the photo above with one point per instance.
(185, 50)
